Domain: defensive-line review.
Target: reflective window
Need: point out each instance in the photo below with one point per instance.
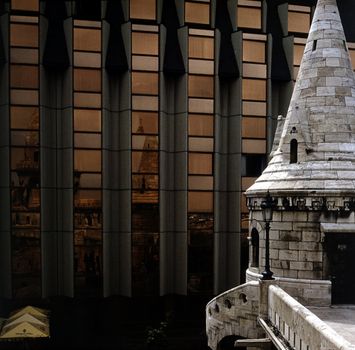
(145, 159)
(200, 161)
(88, 263)
(25, 152)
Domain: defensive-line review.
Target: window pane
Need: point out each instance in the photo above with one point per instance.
(24, 117)
(24, 35)
(200, 86)
(201, 47)
(87, 80)
(144, 122)
(145, 182)
(87, 59)
(145, 43)
(145, 83)
(145, 63)
(200, 182)
(200, 144)
(24, 138)
(24, 97)
(85, 160)
(87, 39)
(249, 17)
(254, 127)
(253, 146)
(201, 67)
(87, 140)
(90, 181)
(25, 5)
(254, 70)
(200, 125)
(200, 202)
(145, 162)
(200, 163)
(143, 9)
(254, 89)
(253, 51)
(254, 108)
(297, 54)
(197, 105)
(88, 199)
(24, 76)
(145, 103)
(145, 142)
(87, 100)
(299, 22)
(18, 55)
(197, 13)
(87, 120)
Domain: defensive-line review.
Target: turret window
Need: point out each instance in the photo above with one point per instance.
(293, 151)
(314, 45)
(255, 247)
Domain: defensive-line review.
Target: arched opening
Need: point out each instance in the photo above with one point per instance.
(227, 343)
(293, 151)
(255, 247)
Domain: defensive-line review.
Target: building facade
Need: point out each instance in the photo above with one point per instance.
(129, 132)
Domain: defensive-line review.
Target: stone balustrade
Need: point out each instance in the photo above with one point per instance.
(299, 326)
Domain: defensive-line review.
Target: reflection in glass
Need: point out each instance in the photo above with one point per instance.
(200, 253)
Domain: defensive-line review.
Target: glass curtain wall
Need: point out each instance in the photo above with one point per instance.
(200, 156)
(25, 169)
(145, 147)
(87, 158)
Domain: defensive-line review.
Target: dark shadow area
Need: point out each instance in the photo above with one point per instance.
(118, 323)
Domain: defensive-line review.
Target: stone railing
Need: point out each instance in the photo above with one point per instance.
(299, 326)
(234, 312)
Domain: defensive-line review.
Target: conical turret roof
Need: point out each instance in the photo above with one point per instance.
(317, 143)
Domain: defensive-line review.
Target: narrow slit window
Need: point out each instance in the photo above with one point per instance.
(314, 45)
(255, 247)
(293, 151)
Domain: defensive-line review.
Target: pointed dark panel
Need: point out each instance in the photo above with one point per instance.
(228, 67)
(116, 58)
(173, 61)
(88, 10)
(55, 51)
(279, 67)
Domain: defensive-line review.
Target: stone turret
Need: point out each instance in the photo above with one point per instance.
(311, 173)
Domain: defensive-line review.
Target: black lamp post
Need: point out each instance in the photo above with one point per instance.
(267, 207)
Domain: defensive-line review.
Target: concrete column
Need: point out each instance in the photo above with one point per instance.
(227, 178)
(116, 135)
(56, 164)
(173, 176)
(5, 206)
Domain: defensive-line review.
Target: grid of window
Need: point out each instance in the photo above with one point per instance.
(254, 95)
(145, 159)
(87, 158)
(25, 172)
(200, 163)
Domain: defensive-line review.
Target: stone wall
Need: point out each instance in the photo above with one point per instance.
(299, 326)
(234, 312)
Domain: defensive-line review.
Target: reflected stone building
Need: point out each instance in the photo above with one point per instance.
(129, 132)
